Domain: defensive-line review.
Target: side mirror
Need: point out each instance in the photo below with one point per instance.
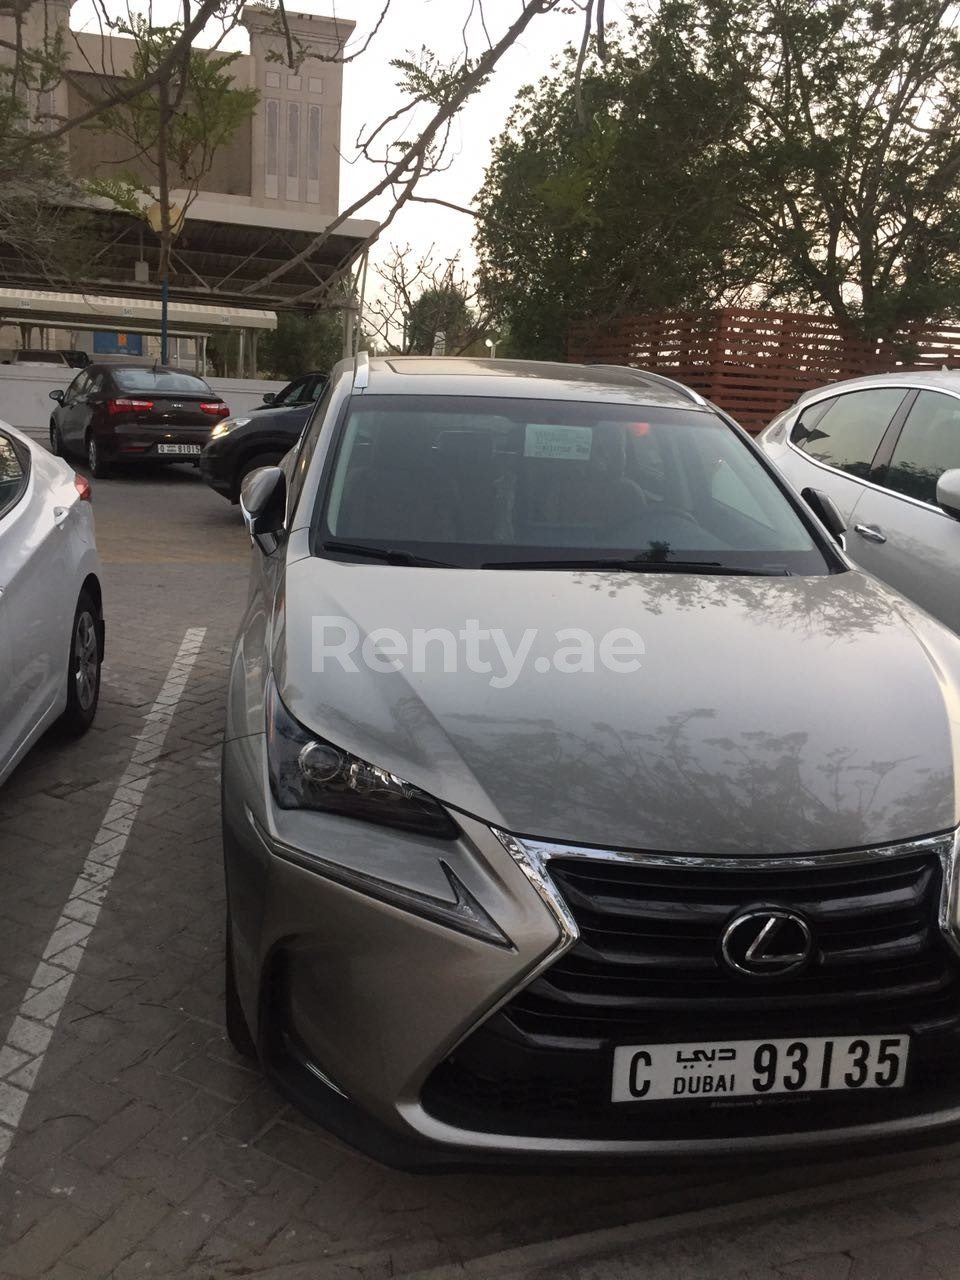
(826, 511)
(269, 397)
(263, 504)
(58, 396)
(948, 492)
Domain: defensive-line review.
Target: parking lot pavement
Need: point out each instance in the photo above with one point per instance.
(135, 1142)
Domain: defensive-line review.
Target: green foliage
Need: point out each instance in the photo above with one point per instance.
(301, 344)
(174, 128)
(779, 152)
(441, 309)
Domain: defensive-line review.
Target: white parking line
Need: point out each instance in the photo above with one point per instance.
(25, 1048)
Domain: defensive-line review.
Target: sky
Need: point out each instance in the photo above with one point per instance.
(370, 93)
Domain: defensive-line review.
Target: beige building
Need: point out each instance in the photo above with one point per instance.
(272, 188)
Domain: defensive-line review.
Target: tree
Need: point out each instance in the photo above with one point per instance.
(851, 160)
(410, 143)
(630, 207)
(775, 151)
(418, 298)
(302, 344)
(174, 129)
(442, 311)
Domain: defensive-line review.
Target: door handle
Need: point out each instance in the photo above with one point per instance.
(60, 516)
(870, 532)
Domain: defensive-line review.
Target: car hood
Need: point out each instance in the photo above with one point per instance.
(768, 715)
(286, 417)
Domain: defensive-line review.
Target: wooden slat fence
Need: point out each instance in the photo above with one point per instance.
(754, 363)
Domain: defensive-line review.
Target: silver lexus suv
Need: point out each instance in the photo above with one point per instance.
(580, 799)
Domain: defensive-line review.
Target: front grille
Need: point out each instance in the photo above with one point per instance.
(647, 968)
(648, 958)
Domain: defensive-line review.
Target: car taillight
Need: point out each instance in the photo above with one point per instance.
(83, 487)
(216, 407)
(129, 406)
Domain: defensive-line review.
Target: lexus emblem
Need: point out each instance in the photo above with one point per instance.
(766, 942)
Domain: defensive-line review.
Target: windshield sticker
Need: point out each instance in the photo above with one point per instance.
(571, 444)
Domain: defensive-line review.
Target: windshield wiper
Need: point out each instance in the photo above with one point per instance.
(389, 555)
(643, 565)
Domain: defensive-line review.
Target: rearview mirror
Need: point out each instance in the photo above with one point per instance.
(263, 504)
(269, 397)
(948, 492)
(826, 511)
(57, 395)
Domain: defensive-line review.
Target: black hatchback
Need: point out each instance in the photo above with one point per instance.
(133, 413)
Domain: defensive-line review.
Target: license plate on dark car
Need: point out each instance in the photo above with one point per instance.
(181, 450)
(756, 1068)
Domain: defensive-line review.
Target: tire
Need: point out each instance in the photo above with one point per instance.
(238, 1032)
(251, 464)
(56, 440)
(83, 672)
(95, 464)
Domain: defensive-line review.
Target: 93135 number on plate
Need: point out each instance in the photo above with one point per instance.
(754, 1068)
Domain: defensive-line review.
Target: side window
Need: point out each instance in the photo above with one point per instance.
(73, 390)
(13, 475)
(291, 395)
(95, 385)
(929, 445)
(307, 447)
(848, 434)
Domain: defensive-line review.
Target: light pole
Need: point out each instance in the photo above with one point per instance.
(491, 344)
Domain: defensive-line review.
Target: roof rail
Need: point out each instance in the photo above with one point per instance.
(361, 371)
(682, 387)
(664, 381)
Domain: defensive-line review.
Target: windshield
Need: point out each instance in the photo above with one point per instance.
(487, 483)
(159, 380)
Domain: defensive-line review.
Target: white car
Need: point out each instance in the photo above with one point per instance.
(51, 605)
(886, 449)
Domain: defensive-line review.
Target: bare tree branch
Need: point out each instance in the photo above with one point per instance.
(415, 155)
(447, 204)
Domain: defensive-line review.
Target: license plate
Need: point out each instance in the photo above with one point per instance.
(757, 1068)
(181, 450)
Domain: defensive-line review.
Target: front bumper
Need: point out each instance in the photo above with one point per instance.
(217, 470)
(360, 1001)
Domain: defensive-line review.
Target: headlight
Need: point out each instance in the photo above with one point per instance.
(308, 772)
(227, 425)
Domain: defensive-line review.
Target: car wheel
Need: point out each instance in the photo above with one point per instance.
(83, 672)
(56, 440)
(238, 1032)
(95, 464)
(251, 464)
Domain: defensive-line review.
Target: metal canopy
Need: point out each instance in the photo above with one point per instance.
(224, 249)
(67, 310)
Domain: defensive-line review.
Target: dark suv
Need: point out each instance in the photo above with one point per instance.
(133, 413)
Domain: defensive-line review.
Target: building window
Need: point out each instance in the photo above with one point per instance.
(313, 155)
(293, 82)
(273, 79)
(316, 86)
(293, 151)
(272, 146)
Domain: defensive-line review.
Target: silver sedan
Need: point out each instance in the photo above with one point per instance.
(886, 449)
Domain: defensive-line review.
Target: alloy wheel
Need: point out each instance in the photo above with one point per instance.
(86, 659)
